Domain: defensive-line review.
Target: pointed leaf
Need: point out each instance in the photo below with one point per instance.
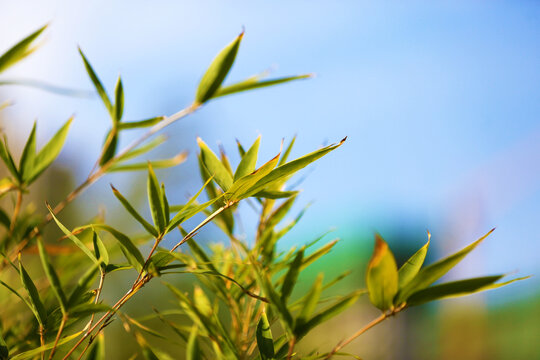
(119, 100)
(26, 164)
(256, 82)
(156, 164)
(52, 276)
(286, 170)
(141, 123)
(4, 351)
(409, 270)
(97, 84)
(265, 342)
(131, 252)
(241, 188)
(110, 146)
(382, 276)
(311, 300)
(292, 276)
(134, 212)
(20, 50)
(8, 159)
(50, 151)
(97, 351)
(217, 71)
(215, 167)
(33, 293)
(193, 351)
(249, 161)
(165, 204)
(142, 149)
(275, 194)
(435, 271)
(287, 152)
(84, 283)
(155, 200)
(34, 352)
(100, 250)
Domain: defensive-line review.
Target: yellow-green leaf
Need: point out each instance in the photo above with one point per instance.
(20, 50)
(41, 314)
(155, 200)
(97, 84)
(409, 270)
(119, 100)
(256, 82)
(215, 167)
(265, 342)
(382, 276)
(52, 276)
(134, 212)
(249, 161)
(26, 164)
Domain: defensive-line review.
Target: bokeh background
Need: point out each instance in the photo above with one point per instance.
(440, 102)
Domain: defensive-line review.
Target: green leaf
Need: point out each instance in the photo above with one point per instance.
(100, 250)
(292, 276)
(131, 252)
(435, 271)
(84, 283)
(110, 146)
(28, 156)
(155, 200)
(241, 188)
(327, 313)
(256, 82)
(34, 352)
(286, 170)
(193, 351)
(158, 140)
(30, 306)
(287, 152)
(4, 351)
(97, 84)
(409, 270)
(50, 151)
(217, 71)
(33, 293)
(8, 159)
(249, 161)
(215, 167)
(119, 100)
(97, 351)
(165, 204)
(83, 310)
(187, 213)
(201, 302)
(310, 300)
(134, 212)
(275, 194)
(156, 164)
(382, 276)
(140, 123)
(72, 237)
(276, 300)
(52, 276)
(265, 342)
(20, 50)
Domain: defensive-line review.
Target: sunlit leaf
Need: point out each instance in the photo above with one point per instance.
(249, 161)
(8, 159)
(158, 140)
(409, 270)
(141, 123)
(100, 250)
(275, 194)
(50, 151)
(287, 152)
(52, 276)
(20, 50)
(156, 164)
(435, 271)
(215, 167)
(265, 342)
(193, 351)
(256, 82)
(119, 100)
(131, 252)
(217, 71)
(34, 352)
(382, 276)
(26, 164)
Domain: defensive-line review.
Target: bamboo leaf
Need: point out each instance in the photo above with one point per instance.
(134, 212)
(4, 350)
(292, 276)
(156, 164)
(310, 300)
(26, 164)
(142, 149)
(72, 237)
(324, 315)
(141, 123)
(265, 342)
(50, 151)
(193, 351)
(286, 170)
(110, 146)
(409, 270)
(256, 82)
(97, 351)
(83, 285)
(155, 201)
(100, 250)
(8, 159)
(287, 152)
(217, 71)
(275, 194)
(52, 276)
(165, 204)
(97, 84)
(20, 50)
(28, 304)
(34, 352)
(435, 271)
(249, 161)
(83, 310)
(215, 167)
(457, 289)
(119, 100)
(382, 276)
(33, 293)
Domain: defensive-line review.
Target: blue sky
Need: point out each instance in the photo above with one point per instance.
(440, 102)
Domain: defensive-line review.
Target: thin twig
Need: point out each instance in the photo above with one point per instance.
(16, 211)
(292, 343)
(204, 222)
(58, 335)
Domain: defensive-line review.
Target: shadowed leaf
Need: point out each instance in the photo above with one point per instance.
(265, 342)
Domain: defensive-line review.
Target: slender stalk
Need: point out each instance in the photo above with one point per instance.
(204, 222)
(42, 340)
(60, 330)
(98, 293)
(292, 343)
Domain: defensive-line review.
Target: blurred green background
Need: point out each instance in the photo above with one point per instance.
(440, 101)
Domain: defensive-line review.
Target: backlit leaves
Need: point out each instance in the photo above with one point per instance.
(382, 276)
(20, 50)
